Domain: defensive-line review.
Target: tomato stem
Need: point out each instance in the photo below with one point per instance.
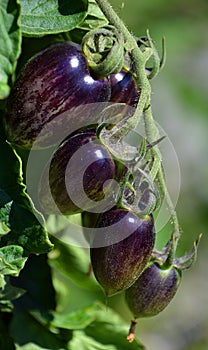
(139, 58)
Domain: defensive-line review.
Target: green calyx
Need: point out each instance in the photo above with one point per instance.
(166, 257)
(104, 50)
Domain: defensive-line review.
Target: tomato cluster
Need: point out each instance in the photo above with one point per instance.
(56, 87)
(56, 81)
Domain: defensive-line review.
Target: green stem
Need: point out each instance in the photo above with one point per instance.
(152, 134)
(139, 59)
(174, 219)
(115, 20)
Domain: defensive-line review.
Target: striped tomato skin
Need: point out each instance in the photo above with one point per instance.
(124, 88)
(51, 83)
(80, 161)
(121, 248)
(153, 290)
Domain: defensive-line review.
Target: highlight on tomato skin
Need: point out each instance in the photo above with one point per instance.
(120, 252)
(124, 88)
(52, 82)
(153, 290)
(81, 160)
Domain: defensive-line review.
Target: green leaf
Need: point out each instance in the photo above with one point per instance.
(25, 329)
(26, 223)
(11, 177)
(4, 229)
(50, 17)
(95, 17)
(28, 231)
(74, 263)
(11, 260)
(4, 218)
(95, 11)
(79, 319)
(83, 342)
(10, 292)
(10, 43)
(30, 346)
(2, 281)
(5, 306)
(109, 328)
(95, 327)
(36, 280)
(35, 239)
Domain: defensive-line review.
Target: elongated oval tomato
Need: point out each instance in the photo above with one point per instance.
(121, 248)
(51, 83)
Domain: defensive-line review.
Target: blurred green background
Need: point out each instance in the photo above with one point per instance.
(179, 101)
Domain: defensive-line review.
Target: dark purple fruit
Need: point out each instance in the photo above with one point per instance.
(153, 290)
(77, 175)
(52, 82)
(121, 248)
(124, 88)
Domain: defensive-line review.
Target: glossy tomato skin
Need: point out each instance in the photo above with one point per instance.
(51, 83)
(153, 290)
(121, 248)
(124, 88)
(76, 175)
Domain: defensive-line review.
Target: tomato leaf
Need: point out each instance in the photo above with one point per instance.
(36, 280)
(28, 231)
(74, 263)
(95, 17)
(11, 260)
(78, 319)
(29, 334)
(96, 328)
(50, 17)
(109, 328)
(10, 43)
(4, 214)
(10, 292)
(27, 225)
(30, 346)
(82, 341)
